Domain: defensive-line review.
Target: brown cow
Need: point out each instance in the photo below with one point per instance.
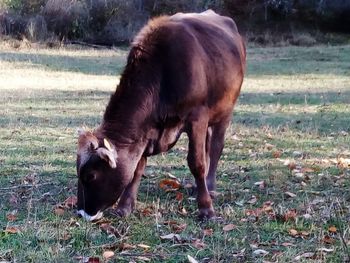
(183, 74)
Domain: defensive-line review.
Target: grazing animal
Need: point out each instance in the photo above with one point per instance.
(183, 74)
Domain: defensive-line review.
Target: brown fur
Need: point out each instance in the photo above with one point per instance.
(183, 74)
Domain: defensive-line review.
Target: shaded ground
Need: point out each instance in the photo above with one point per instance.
(283, 177)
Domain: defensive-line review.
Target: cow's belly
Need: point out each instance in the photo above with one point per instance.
(166, 140)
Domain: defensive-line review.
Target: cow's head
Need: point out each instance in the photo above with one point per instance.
(100, 179)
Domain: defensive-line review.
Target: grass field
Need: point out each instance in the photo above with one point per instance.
(283, 179)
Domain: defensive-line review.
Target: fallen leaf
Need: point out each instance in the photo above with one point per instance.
(93, 260)
(70, 202)
(260, 252)
(304, 233)
(293, 232)
(126, 246)
(12, 216)
(307, 170)
(145, 247)
(147, 211)
(287, 244)
(269, 146)
(332, 229)
(191, 259)
(178, 228)
(208, 232)
(229, 227)
(290, 215)
(292, 166)
(11, 230)
(328, 240)
(290, 194)
(277, 154)
(199, 244)
(179, 196)
(59, 211)
(305, 255)
(169, 184)
(107, 254)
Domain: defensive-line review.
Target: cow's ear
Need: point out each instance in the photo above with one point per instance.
(108, 156)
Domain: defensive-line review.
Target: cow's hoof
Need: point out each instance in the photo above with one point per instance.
(206, 213)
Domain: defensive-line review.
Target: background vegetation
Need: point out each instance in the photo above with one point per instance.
(113, 22)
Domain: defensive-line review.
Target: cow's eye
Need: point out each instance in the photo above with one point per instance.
(90, 177)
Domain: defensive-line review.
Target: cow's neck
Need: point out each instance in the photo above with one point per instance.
(129, 114)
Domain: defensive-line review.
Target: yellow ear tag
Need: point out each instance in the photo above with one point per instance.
(107, 144)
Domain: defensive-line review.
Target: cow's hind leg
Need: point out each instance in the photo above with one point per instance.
(217, 141)
(198, 162)
(127, 200)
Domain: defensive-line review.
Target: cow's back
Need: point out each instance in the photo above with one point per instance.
(203, 60)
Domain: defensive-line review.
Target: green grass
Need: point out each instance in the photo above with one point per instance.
(294, 103)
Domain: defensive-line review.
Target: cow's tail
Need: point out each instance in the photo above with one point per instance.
(243, 54)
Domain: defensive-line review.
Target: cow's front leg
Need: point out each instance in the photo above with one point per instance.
(198, 163)
(128, 199)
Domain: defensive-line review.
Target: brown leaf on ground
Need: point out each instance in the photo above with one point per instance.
(229, 227)
(199, 244)
(293, 232)
(147, 211)
(179, 228)
(332, 229)
(305, 255)
(144, 246)
(277, 154)
(93, 260)
(179, 196)
(169, 184)
(59, 211)
(328, 240)
(287, 244)
(12, 216)
(269, 146)
(307, 170)
(12, 230)
(126, 246)
(292, 166)
(208, 232)
(290, 215)
(107, 254)
(70, 202)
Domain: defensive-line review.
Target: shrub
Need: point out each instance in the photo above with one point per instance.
(66, 18)
(116, 21)
(303, 39)
(12, 24)
(36, 28)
